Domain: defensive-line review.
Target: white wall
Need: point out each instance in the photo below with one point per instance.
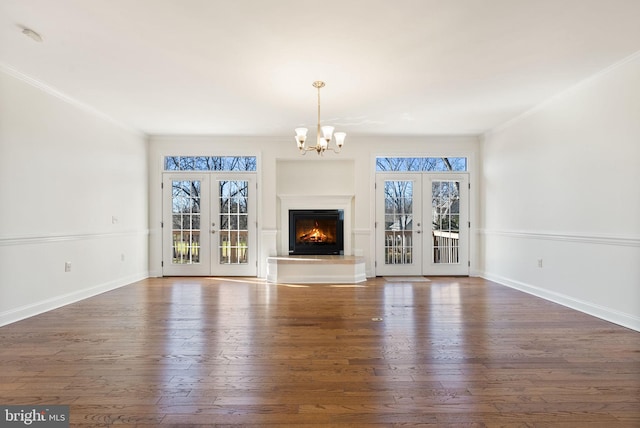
(282, 170)
(73, 188)
(562, 184)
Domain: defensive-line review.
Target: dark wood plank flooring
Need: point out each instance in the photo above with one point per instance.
(453, 352)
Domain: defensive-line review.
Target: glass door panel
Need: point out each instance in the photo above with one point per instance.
(234, 222)
(445, 212)
(186, 198)
(398, 222)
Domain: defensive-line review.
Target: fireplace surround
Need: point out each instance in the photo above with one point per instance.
(290, 202)
(315, 269)
(316, 231)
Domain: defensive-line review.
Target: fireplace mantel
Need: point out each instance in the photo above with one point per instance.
(310, 202)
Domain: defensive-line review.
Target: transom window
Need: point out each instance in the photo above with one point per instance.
(210, 163)
(408, 164)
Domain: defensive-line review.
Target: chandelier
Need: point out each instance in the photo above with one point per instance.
(322, 139)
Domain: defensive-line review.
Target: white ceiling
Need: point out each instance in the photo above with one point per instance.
(245, 67)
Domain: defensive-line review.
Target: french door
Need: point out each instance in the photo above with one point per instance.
(422, 225)
(209, 225)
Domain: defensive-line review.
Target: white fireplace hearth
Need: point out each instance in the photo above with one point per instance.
(316, 269)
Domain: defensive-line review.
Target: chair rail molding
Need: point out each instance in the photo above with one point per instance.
(52, 238)
(617, 240)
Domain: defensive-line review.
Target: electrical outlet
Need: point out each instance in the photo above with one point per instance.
(122, 257)
(67, 266)
(539, 263)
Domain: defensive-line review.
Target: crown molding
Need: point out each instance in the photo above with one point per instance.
(561, 94)
(44, 87)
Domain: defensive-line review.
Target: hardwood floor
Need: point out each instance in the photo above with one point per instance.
(452, 352)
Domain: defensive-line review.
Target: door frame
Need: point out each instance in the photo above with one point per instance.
(208, 251)
(423, 230)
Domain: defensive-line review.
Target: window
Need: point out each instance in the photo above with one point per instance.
(210, 163)
(406, 164)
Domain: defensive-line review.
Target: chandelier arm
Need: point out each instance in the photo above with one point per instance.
(304, 150)
(335, 150)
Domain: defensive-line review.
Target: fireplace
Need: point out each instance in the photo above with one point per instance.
(316, 232)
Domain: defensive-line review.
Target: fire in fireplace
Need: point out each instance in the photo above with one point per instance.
(316, 232)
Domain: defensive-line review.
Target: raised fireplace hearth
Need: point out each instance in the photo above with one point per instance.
(316, 269)
(316, 232)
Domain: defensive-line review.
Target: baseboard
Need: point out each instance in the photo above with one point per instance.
(155, 273)
(43, 306)
(607, 314)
